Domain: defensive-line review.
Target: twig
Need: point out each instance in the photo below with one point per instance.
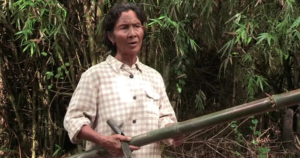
(215, 150)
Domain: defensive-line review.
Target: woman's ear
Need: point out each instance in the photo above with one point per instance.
(111, 37)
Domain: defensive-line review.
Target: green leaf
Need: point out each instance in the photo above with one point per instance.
(56, 152)
(265, 36)
(254, 142)
(179, 89)
(178, 73)
(200, 100)
(263, 151)
(251, 127)
(247, 57)
(249, 40)
(256, 133)
(162, 17)
(297, 34)
(227, 47)
(233, 125)
(67, 64)
(57, 76)
(295, 24)
(237, 153)
(155, 21)
(50, 86)
(44, 53)
(28, 45)
(32, 45)
(254, 121)
(260, 81)
(49, 74)
(65, 31)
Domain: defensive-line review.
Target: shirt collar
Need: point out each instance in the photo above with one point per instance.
(117, 65)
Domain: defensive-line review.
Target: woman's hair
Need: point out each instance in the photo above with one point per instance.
(112, 17)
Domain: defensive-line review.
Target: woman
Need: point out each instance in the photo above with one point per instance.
(120, 88)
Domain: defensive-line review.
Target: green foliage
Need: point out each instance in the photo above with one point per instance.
(263, 43)
(180, 38)
(263, 152)
(216, 51)
(237, 153)
(238, 134)
(200, 100)
(58, 149)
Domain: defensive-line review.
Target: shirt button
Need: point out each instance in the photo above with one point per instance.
(134, 97)
(131, 76)
(133, 121)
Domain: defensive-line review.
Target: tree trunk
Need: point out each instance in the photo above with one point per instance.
(287, 136)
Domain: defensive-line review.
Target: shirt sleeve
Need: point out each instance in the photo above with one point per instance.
(82, 108)
(166, 112)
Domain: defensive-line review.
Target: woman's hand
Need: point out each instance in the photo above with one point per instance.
(113, 144)
(176, 141)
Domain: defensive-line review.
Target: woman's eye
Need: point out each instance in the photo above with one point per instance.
(124, 27)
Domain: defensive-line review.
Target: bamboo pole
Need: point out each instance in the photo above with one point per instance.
(34, 123)
(261, 106)
(12, 100)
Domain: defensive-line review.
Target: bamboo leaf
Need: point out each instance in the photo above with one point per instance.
(264, 36)
(64, 30)
(295, 24)
(227, 47)
(247, 57)
(297, 34)
(249, 40)
(44, 53)
(154, 21)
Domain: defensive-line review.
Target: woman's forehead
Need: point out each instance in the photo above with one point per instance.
(128, 17)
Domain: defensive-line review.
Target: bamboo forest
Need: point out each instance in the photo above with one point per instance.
(212, 55)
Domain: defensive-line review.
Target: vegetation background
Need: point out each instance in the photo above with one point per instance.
(213, 54)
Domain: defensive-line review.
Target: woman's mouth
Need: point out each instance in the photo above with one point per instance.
(133, 44)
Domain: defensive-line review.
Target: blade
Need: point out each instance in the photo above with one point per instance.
(126, 150)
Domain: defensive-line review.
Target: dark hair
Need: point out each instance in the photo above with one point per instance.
(112, 17)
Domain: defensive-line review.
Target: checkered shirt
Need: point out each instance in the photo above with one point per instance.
(134, 97)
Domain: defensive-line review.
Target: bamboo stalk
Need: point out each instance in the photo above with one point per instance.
(34, 125)
(260, 106)
(71, 70)
(90, 30)
(12, 100)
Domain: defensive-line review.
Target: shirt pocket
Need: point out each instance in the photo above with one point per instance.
(152, 102)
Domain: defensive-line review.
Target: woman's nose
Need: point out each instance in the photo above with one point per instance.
(132, 32)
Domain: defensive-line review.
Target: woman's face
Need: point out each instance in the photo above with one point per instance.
(128, 34)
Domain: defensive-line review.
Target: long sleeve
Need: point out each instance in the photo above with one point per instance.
(166, 111)
(83, 106)
(167, 114)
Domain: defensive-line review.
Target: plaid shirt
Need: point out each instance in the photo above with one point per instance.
(134, 97)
